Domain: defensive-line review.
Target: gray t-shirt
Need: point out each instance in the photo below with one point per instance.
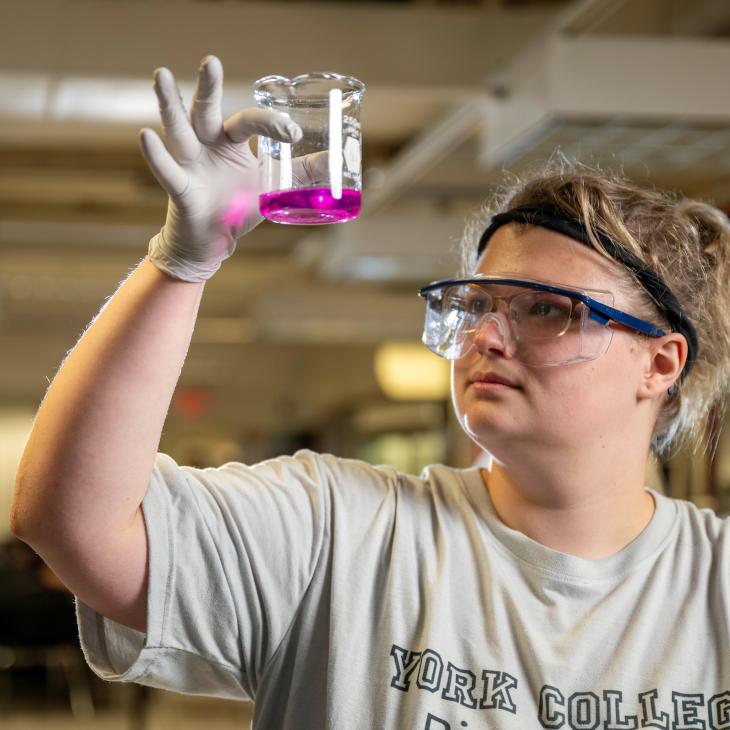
(341, 595)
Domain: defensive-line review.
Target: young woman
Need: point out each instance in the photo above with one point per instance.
(590, 325)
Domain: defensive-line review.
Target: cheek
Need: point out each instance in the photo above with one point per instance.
(597, 392)
(458, 383)
(628, 357)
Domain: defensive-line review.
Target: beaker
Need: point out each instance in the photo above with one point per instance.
(325, 186)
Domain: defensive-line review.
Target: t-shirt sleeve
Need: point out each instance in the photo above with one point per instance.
(232, 551)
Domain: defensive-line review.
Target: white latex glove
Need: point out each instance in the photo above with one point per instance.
(209, 172)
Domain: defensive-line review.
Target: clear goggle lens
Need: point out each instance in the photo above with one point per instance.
(547, 328)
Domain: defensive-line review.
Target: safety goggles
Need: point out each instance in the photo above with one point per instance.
(541, 323)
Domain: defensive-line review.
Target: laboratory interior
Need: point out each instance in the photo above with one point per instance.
(309, 337)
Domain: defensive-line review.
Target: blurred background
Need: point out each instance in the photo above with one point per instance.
(309, 337)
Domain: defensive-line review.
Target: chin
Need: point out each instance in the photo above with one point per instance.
(486, 429)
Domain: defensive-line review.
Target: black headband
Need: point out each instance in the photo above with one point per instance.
(548, 215)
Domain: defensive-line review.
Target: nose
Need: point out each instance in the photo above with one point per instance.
(493, 333)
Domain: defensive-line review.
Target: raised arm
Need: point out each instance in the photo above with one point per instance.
(87, 463)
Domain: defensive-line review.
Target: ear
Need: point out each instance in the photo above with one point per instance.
(667, 356)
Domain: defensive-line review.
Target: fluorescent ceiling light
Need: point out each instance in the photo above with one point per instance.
(408, 371)
(23, 95)
(112, 100)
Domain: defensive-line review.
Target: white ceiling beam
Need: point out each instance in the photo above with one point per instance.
(586, 78)
(586, 16)
(36, 110)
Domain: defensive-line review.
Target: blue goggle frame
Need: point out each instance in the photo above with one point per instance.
(601, 313)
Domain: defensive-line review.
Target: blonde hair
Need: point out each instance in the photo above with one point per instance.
(685, 241)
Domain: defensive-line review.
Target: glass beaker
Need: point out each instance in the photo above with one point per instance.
(327, 187)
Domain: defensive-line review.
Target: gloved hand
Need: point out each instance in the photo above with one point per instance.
(209, 172)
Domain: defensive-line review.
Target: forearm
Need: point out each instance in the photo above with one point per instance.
(88, 460)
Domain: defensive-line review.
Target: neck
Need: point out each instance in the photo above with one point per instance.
(591, 509)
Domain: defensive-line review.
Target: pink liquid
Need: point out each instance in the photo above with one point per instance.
(308, 206)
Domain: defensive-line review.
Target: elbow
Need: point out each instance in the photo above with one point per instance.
(18, 527)
(20, 519)
(25, 527)
(17, 524)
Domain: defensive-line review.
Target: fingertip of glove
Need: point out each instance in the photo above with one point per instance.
(161, 75)
(294, 131)
(145, 137)
(210, 64)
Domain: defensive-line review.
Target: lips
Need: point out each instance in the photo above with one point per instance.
(491, 377)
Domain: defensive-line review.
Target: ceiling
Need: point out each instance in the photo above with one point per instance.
(458, 92)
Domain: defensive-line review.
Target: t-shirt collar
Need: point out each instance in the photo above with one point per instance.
(650, 541)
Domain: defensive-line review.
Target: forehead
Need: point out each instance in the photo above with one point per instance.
(538, 253)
